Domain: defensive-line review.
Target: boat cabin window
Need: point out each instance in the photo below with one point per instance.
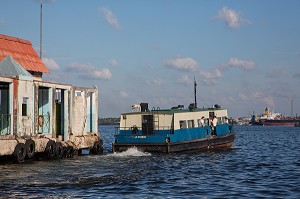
(211, 115)
(223, 120)
(220, 120)
(191, 124)
(206, 121)
(182, 124)
(199, 123)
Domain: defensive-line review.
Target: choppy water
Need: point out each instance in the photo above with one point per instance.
(264, 162)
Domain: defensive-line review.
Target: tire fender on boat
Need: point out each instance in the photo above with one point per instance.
(97, 148)
(65, 152)
(50, 149)
(19, 153)
(68, 152)
(59, 151)
(30, 148)
(71, 152)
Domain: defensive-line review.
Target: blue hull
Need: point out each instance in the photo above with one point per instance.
(205, 144)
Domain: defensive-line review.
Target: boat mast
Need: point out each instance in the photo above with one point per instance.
(41, 2)
(195, 92)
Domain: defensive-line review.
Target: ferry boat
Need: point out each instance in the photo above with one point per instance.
(174, 130)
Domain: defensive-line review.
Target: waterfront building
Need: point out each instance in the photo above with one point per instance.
(38, 117)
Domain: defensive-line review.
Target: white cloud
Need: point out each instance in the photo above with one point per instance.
(210, 78)
(232, 18)
(88, 71)
(158, 82)
(243, 97)
(99, 74)
(243, 64)
(257, 94)
(76, 67)
(123, 94)
(113, 62)
(211, 75)
(182, 64)
(260, 96)
(51, 64)
(110, 17)
(184, 80)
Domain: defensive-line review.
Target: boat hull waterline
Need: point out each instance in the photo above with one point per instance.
(206, 144)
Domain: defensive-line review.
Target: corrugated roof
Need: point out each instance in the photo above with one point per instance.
(22, 51)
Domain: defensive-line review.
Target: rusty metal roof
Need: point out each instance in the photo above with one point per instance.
(22, 51)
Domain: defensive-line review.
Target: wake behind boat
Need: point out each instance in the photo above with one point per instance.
(174, 130)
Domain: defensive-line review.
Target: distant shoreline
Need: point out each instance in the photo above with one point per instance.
(109, 121)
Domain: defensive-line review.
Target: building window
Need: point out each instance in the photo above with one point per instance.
(58, 95)
(191, 123)
(78, 93)
(25, 106)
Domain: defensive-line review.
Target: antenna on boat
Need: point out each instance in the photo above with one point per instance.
(41, 2)
(195, 92)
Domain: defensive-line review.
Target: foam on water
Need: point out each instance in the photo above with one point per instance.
(131, 152)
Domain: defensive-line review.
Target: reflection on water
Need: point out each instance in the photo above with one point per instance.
(264, 162)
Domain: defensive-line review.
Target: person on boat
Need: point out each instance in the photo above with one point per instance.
(202, 121)
(226, 120)
(214, 124)
(210, 123)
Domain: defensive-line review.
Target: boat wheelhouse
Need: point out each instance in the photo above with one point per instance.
(173, 130)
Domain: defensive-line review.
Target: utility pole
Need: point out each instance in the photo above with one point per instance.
(292, 114)
(41, 2)
(195, 92)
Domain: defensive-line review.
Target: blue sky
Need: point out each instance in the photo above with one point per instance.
(244, 55)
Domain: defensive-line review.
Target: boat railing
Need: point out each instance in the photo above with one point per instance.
(144, 130)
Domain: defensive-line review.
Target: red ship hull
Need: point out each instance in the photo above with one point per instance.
(285, 122)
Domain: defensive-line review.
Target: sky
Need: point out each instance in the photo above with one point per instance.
(244, 55)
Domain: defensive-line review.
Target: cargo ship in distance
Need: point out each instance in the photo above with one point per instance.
(273, 119)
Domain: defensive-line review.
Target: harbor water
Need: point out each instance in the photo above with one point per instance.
(263, 163)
